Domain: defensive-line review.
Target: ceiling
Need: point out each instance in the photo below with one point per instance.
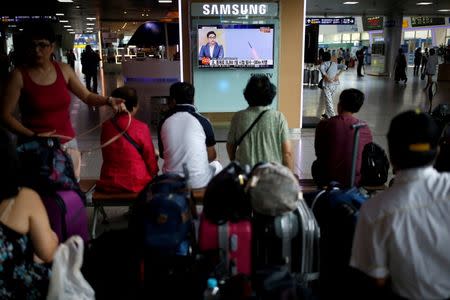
(124, 16)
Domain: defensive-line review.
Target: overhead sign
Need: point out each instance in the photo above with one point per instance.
(427, 21)
(18, 19)
(234, 9)
(330, 21)
(372, 23)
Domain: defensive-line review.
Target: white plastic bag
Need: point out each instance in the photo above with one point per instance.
(67, 282)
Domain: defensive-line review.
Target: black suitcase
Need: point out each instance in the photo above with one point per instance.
(306, 76)
(291, 239)
(315, 77)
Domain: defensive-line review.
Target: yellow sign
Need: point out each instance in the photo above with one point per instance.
(405, 24)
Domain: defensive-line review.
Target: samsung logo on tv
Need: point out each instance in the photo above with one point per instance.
(234, 9)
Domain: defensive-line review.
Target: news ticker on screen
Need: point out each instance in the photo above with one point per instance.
(235, 62)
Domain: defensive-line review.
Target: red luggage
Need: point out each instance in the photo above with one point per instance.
(234, 238)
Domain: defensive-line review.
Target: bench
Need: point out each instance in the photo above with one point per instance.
(100, 200)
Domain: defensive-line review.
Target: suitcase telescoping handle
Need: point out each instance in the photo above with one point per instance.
(356, 127)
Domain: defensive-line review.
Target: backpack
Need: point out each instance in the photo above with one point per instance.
(225, 198)
(162, 216)
(374, 165)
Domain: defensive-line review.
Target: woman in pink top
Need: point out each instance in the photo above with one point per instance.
(43, 86)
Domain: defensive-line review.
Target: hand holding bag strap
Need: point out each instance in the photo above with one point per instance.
(127, 136)
(250, 128)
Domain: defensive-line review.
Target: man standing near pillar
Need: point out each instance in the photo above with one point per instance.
(360, 56)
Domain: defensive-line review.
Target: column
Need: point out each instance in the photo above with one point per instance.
(292, 31)
(392, 40)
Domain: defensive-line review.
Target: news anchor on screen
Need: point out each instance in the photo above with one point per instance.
(212, 49)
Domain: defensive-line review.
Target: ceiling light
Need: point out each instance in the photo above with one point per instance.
(67, 26)
(124, 12)
(90, 18)
(90, 24)
(89, 28)
(444, 10)
(424, 3)
(88, 31)
(77, 6)
(63, 21)
(350, 2)
(59, 14)
(72, 32)
(69, 29)
(165, 1)
(65, 1)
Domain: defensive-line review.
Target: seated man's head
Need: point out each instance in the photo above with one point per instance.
(129, 95)
(259, 91)
(350, 101)
(413, 140)
(181, 93)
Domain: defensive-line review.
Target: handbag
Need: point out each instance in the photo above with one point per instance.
(67, 282)
(45, 166)
(320, 84)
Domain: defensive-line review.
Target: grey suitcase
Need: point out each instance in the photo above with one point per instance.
(291, 239)
(306, 76)
(314, 77)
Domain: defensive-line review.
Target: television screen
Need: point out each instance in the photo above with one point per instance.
(235, 46)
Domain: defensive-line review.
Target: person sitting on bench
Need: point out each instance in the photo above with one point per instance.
(129, 163)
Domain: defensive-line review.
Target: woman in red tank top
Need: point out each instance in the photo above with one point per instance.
(43, 87)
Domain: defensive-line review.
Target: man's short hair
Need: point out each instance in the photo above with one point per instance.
(182, 93)
(259, 91)
(413, 140)
(128, 94)
(326, 56)
(210, 32)
(351, 100)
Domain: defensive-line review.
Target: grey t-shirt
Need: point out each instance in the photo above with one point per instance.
(264, 142)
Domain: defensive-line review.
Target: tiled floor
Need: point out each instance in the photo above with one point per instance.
(384, 99)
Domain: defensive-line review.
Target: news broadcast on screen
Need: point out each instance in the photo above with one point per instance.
(235, 46)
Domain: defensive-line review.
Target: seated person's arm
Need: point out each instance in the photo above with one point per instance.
(212, 155)
(45, 241)
(231, 149)
(288, 159)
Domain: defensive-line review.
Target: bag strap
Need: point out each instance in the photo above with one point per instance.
(327, 69)
(127, 136)
(251, 127)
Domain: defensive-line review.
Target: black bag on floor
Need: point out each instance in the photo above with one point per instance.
(225, 198)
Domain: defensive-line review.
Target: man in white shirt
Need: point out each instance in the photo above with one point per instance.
(186, 137)
(402, 239)
(430, 67)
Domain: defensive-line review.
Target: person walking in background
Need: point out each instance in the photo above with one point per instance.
(360, 56)
(430, 68)
(330, 73)
(417, 60)
(347, 57)
(268, 140)
(400, 67)
(71, 58)
(424, 60)
(89, 62)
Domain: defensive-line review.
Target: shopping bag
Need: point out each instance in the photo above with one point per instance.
(66, 281)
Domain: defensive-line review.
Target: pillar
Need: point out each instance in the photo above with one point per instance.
(392, 40)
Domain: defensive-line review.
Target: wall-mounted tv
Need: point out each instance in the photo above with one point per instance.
(235, 46)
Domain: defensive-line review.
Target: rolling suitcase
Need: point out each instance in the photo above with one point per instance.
(336, 211)
(291, 239)
(67, 214)
(315, 77)
(232, 239)
(306, 76)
